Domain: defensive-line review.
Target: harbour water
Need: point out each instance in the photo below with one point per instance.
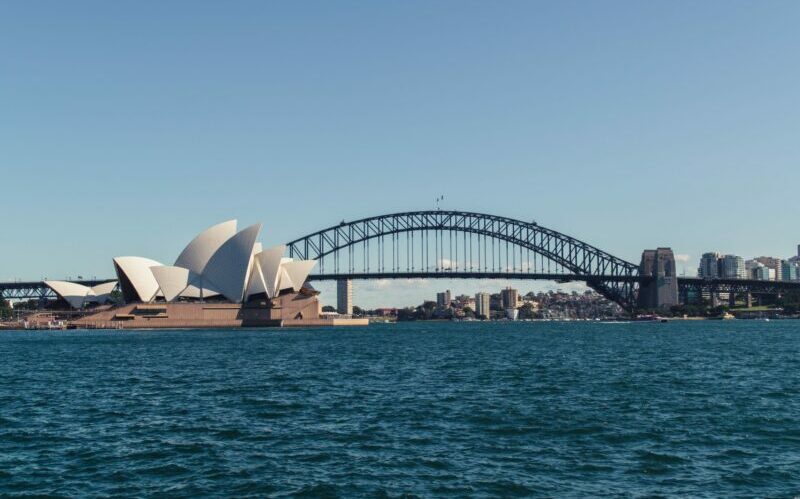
(426, 409)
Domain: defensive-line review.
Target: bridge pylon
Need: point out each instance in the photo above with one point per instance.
(659, 286)
(344, 296)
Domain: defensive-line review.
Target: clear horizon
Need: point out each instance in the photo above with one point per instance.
(128, 128)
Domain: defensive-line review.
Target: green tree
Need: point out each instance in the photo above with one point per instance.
(527, 311)
(426, 310)
(5, 310)
(469, 313)
(407, 314)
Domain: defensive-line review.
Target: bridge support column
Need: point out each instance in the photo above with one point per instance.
(344, 296)
(661, 291)
(731, 300)
(749, 299)
(714, 298)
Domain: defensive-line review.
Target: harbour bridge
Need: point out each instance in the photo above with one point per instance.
(467, 245)
(444, 244)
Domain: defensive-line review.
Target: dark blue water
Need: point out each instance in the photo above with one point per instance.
(438, 409)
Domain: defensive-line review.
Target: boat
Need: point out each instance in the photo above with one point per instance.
(650, 318)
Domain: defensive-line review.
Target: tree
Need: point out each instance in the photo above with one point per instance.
(407, 314)
(357, 310)
(527, 311)
(469, 313)
(328, 308)
(426, 310)
(5, 310)
(790, 302)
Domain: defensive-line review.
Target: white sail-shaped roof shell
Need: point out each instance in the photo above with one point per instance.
(73, 293)
(228, 268)
(171, 280)
(298, 271)
(269, 262)
(255, 283)
(78, 295)
(136, 270)
(284, 280)
(197, 253)
(102, 292)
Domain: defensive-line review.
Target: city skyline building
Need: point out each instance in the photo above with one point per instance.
(483, 304)
(709, 265)
(509, 298)
(776, 264)
(443, 299)
(732, 267)
(789, 271)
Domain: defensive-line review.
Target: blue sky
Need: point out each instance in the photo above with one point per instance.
(127, 127)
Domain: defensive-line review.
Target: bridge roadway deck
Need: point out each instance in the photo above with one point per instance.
(474, 275)
(22, 290)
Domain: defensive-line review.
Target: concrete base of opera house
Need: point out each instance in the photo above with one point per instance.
(294, 310)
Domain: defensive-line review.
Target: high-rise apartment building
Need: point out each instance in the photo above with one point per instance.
(789, 271)
(776, 264)
(732, 267)
(509, 297)
(761, 272)
(483, 305)
(750, 267)
(709, 266)
(443, 300)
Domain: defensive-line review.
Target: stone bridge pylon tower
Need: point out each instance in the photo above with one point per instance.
(658, 288)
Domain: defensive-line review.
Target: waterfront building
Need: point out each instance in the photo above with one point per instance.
(219, 263)
(732, 267)
(222, 278)
(509, 298)
(483, 305)
(344, 296)
(709, 265)
(443, 300)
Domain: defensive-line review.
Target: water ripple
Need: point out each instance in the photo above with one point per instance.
(413, 410)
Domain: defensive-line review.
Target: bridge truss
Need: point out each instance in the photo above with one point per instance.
(737, 286)
(457, 244)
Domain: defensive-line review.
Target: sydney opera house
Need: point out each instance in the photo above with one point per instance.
(222, 278)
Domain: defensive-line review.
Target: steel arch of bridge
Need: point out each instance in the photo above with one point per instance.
(613, 277)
